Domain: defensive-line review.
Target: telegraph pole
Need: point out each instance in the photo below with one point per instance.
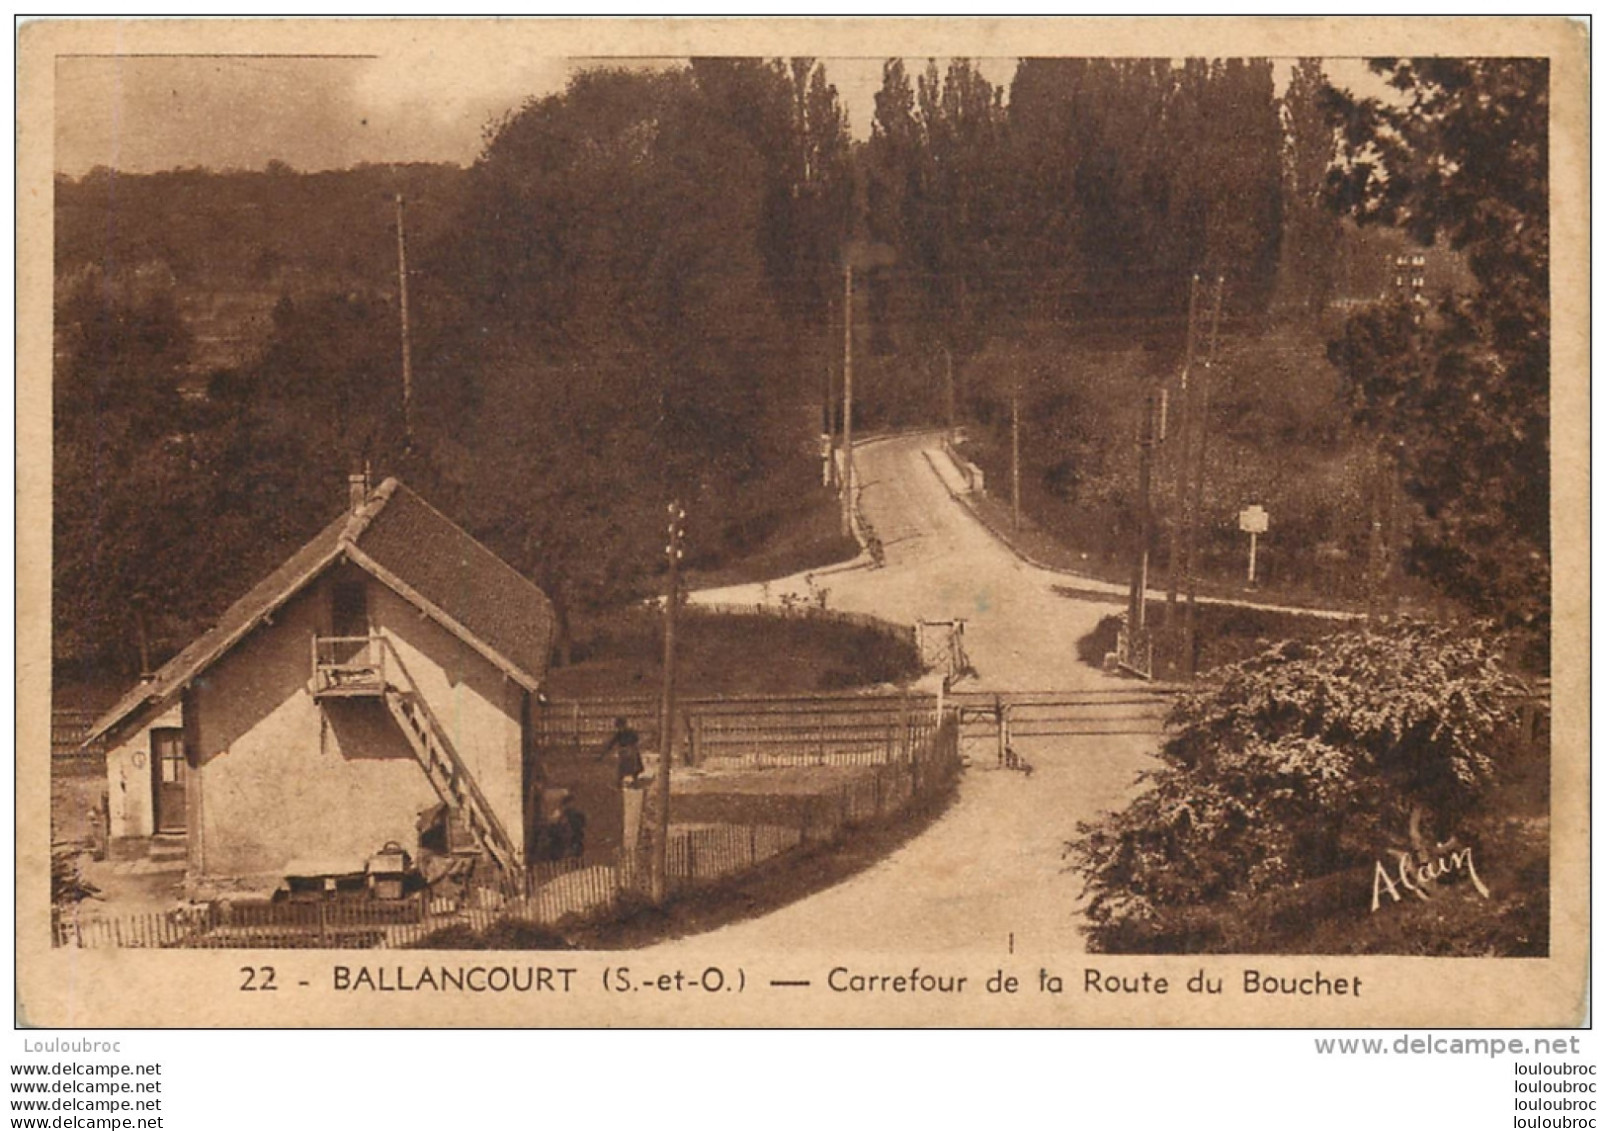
(948, 367)
(1202, 426)
(1137, 618)
(666, 718)
(828, 431)
(406, 343)
(847, 400)
(1014, 448)
(1380, 591)
(1180, 461)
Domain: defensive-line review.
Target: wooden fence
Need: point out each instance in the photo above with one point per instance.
(1142, 708)
(68, 729)
(563, 892)
(1136, 709)
(755, 732)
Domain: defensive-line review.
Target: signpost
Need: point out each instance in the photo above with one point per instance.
(1253, 521)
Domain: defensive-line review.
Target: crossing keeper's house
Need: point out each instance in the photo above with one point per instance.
(384, 673)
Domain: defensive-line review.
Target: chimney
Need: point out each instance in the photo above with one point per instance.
(358, 487)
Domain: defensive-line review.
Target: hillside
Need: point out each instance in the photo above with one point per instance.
(230, 245)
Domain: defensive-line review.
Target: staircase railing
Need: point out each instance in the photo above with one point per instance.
(451, 779)
(347, 663)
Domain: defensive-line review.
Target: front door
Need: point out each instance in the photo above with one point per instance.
(167, 773)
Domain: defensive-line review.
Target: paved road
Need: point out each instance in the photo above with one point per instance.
(991, 866)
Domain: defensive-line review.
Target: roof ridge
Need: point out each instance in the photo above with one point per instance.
(363, 516)
(345, 534)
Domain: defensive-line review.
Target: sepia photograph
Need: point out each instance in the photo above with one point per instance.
(868, 538)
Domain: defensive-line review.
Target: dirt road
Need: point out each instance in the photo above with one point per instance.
(991, 866)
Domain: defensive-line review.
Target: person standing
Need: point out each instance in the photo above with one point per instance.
(626, 744)
(574, 825)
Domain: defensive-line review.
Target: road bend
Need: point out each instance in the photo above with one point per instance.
(991, 867)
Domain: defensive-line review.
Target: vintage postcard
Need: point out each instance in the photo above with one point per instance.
(802, 522)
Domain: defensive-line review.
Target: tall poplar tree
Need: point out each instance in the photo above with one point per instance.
(1460, 157)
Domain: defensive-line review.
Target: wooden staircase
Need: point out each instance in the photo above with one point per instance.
(452, 782)
(368, 667)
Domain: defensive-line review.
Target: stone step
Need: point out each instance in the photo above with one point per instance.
(168, 847)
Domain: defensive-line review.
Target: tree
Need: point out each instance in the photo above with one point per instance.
(1463, 396)
(1132, 174)
(333, 362)
(641, 261)
(167, 507)
(175, 489)
(790, 115)
(1225, 196)
(1306, 760)
(936, 169)
(123, 341)
(121, 466)
(1310, 234)
(964, 126)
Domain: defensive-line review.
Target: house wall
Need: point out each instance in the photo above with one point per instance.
(278, 779)
(475, 704)
(129, 780)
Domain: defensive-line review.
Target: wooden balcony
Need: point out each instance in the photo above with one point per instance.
(348, 667)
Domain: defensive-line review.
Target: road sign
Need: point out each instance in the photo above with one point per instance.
(1253, 521)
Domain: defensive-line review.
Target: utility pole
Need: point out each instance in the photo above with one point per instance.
(1014, 449)
(1391, 535)
(1202, 426)
(406, 342)
(828, 416)
(1179, 461)
(1137, 614)
(948, 367)
(1380, 595)
(847, 400)
(666, 717)
(830, 395)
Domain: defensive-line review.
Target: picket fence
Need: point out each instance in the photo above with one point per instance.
(562, 893)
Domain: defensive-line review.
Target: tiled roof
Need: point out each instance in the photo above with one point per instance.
(497, 608)
(411, 547)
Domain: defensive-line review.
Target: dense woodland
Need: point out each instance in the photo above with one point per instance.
(635, 294)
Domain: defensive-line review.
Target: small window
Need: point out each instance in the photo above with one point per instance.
(169, 744)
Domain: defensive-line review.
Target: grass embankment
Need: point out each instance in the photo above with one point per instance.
(1225, 634)
(1277, 436)
(1056, 548)
(774, 884)
(732, 655)
(804, 537)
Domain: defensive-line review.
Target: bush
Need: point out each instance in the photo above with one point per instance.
(1092, 648)
(67, 883)
(1313, 757)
